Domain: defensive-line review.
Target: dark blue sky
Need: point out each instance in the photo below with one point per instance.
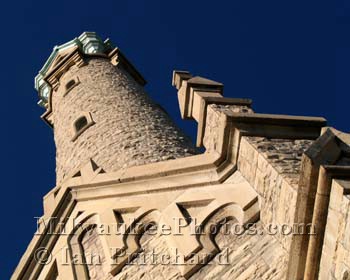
(290, 57)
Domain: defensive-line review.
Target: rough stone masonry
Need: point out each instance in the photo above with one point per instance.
(128, 130)
(282, 181)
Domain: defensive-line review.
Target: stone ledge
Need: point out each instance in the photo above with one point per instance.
(196, 94)
(277, 119)
(196, 169)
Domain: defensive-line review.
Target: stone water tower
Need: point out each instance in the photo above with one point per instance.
(134, 199)
(96, 103)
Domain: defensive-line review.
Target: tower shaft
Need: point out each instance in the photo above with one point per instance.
(101, 112)
(95, 102)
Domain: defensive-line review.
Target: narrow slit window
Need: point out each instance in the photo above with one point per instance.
(70, 84)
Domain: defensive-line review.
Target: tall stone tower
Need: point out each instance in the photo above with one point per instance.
(134, 199)
(99, 109)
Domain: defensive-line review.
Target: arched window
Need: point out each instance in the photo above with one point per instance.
(72, 83)
(88, 255)
(81, 124)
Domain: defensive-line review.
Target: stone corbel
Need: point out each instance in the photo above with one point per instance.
(47, 116)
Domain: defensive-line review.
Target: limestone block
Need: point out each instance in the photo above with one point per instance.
(247, 160)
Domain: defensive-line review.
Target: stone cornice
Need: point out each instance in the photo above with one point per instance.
(77, 58)
(88, 44)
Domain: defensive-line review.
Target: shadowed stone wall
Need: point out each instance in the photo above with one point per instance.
(128, 130)
(94, 255)
(243, 256)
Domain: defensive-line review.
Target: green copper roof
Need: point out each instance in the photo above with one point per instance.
(87, 42)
